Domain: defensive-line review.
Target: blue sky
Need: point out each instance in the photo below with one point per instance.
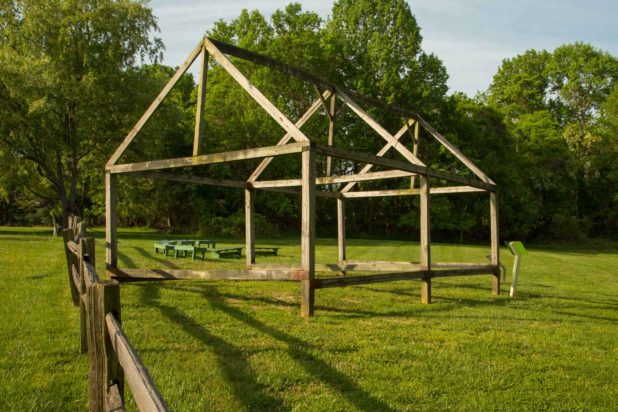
(471, 37)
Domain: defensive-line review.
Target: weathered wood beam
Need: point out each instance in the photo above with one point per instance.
(410, 192)
(495, 242)
(463, 271)
(415, 142)
(388, 174)
(337, 281)
(253, 91)
(111, 218)
(366, 117)
(286, 138)
(143, 390)
(191, 179)
(307, 241)
(244, 154)
(155, 104)
(331, 133)
(478, 172)
(341, 231)
(250, 226)
(425, 240)
(199, 107)
(127, 275)
(382, 152)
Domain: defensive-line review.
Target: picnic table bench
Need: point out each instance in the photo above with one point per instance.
(267, 250)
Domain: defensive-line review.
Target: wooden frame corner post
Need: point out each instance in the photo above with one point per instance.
(425, 239)
(341, 231)
(307, 287)
(111, 240)
(495, 242)
(250, 226)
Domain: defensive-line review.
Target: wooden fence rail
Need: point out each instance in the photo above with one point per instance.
(112, 357)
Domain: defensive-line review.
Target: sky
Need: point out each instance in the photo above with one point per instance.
(471, 37)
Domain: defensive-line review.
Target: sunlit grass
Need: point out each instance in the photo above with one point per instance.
(242, 345)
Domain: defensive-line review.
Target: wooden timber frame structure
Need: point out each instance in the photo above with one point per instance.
(296, 142)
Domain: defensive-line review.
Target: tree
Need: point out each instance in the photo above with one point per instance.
(66, 82)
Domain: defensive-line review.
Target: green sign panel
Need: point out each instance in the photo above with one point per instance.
(517, 248)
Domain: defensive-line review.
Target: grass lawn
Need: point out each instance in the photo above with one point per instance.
(230, 346)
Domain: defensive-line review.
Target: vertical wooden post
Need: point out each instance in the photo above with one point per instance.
(111, 240)
(307, 292)
(249, 226)
(103, 298)
(199, 111)
(341, 230)
(414, 150)
(67, 234)
(495, 242)
(331, 133)
(425, 240)
(86, 252)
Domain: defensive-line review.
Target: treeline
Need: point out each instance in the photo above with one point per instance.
(73, 82)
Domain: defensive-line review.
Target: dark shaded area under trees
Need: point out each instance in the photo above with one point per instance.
(72, 84)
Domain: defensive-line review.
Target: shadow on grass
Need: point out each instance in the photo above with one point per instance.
(231, 360)
(296, 348)
(147, 255)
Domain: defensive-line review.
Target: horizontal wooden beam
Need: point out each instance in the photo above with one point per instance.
(410, 192)
(327, 180)
(143, 389)
(358, 266)
(465, 271)
(337, 281)
(202, 180)
(245, 154)
(396, 164)
(125, 275)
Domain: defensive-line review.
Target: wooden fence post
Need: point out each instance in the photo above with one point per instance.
(86, 254)
(425, 240)
(307, 290)
(67, 234)
(105, 371)
(111, 240)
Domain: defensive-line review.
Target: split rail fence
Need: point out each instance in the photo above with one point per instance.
(113, 360)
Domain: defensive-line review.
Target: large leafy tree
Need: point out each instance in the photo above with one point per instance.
(66, 83)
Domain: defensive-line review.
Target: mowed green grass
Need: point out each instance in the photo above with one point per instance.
(230, 346)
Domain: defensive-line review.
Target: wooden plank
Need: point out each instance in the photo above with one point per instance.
(262, 100)
(111, 238)
(321, 283)
(495, 242)
(286, 138)
(143, 389)
(198, 134)
(202, 180)
(307, 294)
(415, 142)
(249, 226)
(463, 271)
(126, 275)
(86, 247)
(331, 133)
(70, 259)
(345, 266)
(379, 129)
(155, 104)
(473, 168)
(236, 155)
(341, 231)
(454, 189)
(114, 401)
(381, 193)
(382, 152)
(425, 240)
(387, 174)
(103, 298)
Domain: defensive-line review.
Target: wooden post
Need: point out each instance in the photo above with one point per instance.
(495, 242)
(86, 252)
(331, 133)
(414, 150)
(111, 240)
(105, 371)
(67, 234)
(425, 239)
(307, 291)
(250, 226)
(341, 230)
(199, 111)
